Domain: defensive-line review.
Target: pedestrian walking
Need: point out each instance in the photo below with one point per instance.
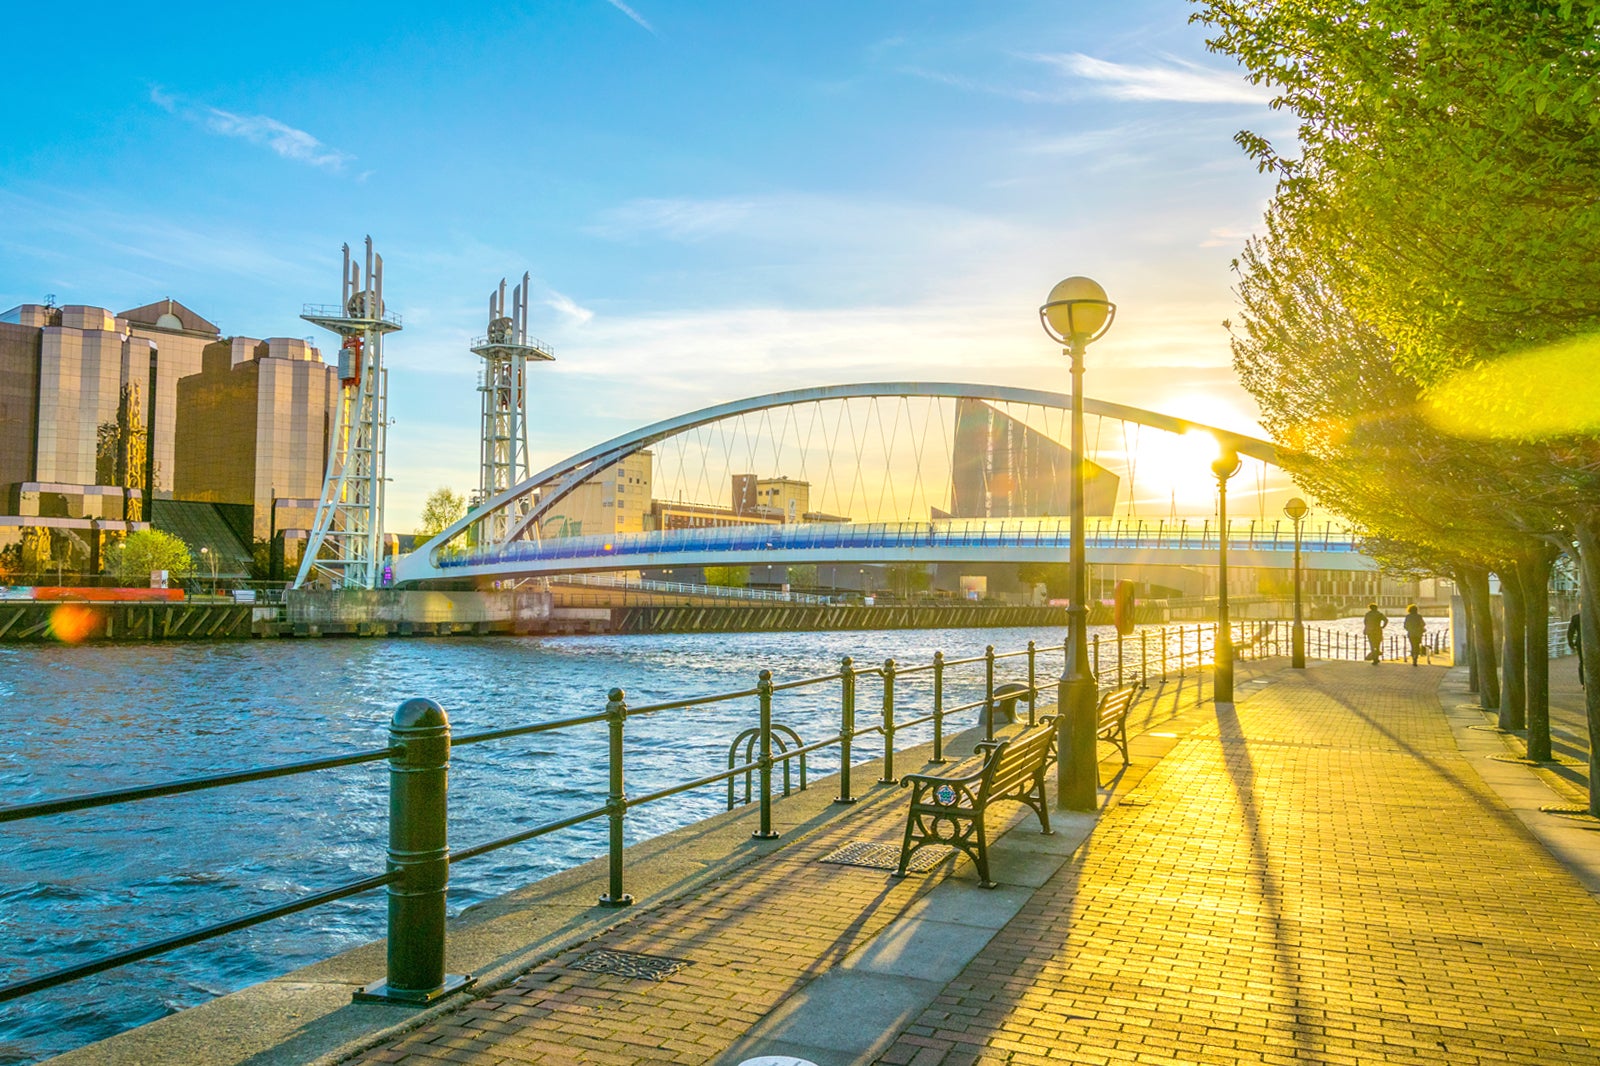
(1416, 629)
(1374, 622)
(1575, 641)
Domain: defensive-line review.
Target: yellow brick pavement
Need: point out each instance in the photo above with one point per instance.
(1317, 876)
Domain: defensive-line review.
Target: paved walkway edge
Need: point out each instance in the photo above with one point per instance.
(1574, 842)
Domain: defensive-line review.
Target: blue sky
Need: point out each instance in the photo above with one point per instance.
(714, 199)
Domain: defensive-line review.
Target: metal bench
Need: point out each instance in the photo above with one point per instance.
(949, 810)
(1111, 720)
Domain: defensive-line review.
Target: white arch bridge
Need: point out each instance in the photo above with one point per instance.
(826, 433)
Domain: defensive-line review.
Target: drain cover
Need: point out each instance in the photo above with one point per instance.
(627, 964)
(885, 857)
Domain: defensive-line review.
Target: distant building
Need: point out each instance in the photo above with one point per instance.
(90, 411)
(615, 500)
(665, 514)
(253, 428)
(1002, 468)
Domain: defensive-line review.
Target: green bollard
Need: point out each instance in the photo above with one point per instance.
(888, 777)
(1033, 687)
(847, 726)
(617, 801)
(988, 693)
(764, 694)
(938, 707)
(420, 853)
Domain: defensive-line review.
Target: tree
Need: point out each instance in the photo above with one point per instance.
(732, 577)
(1055, 577)
(1449, 152)
(443, 507)
(801, 575)
(140, 552)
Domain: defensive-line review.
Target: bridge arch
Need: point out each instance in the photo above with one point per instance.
(561, 478)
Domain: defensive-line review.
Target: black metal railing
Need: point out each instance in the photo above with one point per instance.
(421, 742)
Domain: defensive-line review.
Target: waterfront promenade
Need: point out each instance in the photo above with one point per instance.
(1333, 870)
(1319, 874)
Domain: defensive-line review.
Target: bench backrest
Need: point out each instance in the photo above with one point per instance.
(1016, 761)
(1115, 704)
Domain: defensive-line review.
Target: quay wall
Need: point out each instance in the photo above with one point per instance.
(432, 612)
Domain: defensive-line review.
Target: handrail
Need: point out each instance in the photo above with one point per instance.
(20, 811)
(974, 533)
(416, 751)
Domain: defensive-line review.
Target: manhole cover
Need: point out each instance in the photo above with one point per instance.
(627, 964)
(885, 857)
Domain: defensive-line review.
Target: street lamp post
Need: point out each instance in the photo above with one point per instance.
(207, 553)
(1296, 510)
(1075, 314)
(1225, 466)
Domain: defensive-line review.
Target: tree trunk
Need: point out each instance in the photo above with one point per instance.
(1533, 572)
(1587, 528)
(1470, 617)
(1476, 586)
(1513, 694)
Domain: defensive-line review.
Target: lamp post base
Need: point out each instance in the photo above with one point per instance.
(1077, 765)
(1222, 686)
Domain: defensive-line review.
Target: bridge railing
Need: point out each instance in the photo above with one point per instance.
(679, 588)
(1243, 535)
(421, 743)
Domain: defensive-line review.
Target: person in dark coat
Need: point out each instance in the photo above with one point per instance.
(1416, 629)
(1575, 641)
(1373, 622)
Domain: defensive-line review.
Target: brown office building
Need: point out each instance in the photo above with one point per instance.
(252, 428)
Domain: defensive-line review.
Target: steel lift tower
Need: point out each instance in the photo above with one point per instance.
(506, 352)
(346, 542)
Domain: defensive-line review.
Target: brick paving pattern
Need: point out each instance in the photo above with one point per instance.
(750, 940)
(1316, 877)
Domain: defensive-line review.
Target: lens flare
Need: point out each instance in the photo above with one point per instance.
(73, 623)
(1546, 392)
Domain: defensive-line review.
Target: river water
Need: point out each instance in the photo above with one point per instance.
(74, 720)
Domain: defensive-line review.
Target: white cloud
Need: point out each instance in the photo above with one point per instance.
(278, 137)
(683, 220)
(1177, 81)
(566, 306)
(631, 13)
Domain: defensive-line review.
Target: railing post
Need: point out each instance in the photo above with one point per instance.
(988, 692)
(1182, 652)
(1032, 688)
(888, 777)
(617, 801)
(938, 707)
(419, 852)
(1097, 657)
(1144, 658)
(764, 764)
(847, 726)
(1119, 658)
